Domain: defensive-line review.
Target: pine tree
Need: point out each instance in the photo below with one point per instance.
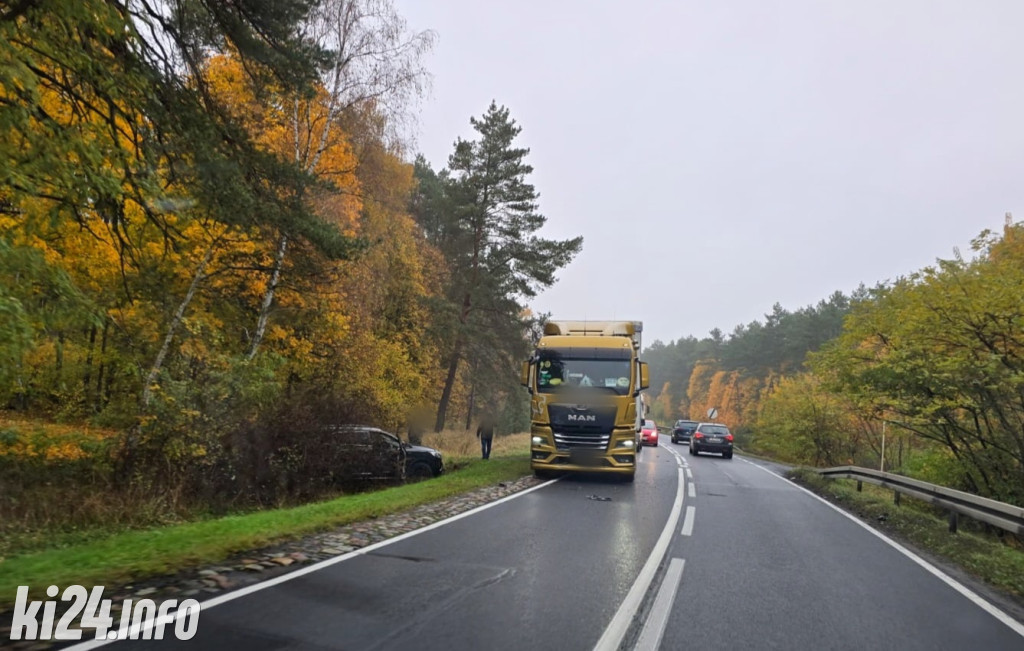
(485, 222)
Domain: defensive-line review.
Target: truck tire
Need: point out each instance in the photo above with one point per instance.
(628, 479)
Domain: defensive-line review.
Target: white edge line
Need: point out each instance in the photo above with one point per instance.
(269, 583)
(688, 522)
(611, 639)
(654, 627)
(974, 597)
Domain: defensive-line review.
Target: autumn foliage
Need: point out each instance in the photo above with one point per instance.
(921, 376)
(208, 250)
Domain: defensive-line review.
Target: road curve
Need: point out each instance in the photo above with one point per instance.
(753, 562)
(766, 565)
(545, 570)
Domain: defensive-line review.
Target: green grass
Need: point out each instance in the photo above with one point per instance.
(133, 555)
(997, 561)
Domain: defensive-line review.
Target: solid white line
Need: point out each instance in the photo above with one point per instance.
(693, 490)
(688, 522)
(974, 597)
(612, 637)
(241, 592)
(654, 627)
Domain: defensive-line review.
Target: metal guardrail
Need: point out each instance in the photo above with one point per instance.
(1005, 516)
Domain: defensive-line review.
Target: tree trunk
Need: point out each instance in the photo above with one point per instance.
(98, 395)
(88, 364)
(60, 355)
(308, 162)
(179, 316)
(469, 410)
(453, 365)
(268, 298)
(449, 382)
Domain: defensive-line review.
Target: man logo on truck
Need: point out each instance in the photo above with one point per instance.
(588, 418)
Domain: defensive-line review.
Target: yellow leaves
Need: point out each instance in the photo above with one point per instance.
(304, 130)
(48, 442)
(231, 84)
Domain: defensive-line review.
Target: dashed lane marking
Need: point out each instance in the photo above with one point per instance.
(688, 521)
(654, 627)
(612, 637)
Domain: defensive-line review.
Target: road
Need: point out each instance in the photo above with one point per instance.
(750, 561)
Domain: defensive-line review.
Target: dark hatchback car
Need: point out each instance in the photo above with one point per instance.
(682, 430)
(711, 437)
(372, 453)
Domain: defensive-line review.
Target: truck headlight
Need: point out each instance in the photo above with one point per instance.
(628, 443)
(537, 440)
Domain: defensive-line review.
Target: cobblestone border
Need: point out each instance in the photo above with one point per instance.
(204, 582)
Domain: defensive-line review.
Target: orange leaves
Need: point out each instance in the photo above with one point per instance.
(304, 130)
(47, 441)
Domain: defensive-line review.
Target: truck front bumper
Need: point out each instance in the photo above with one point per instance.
(545, 456)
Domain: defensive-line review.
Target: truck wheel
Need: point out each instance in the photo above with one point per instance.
(628, 479)
(542, 474)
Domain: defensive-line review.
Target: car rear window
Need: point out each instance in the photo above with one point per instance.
(715, 429)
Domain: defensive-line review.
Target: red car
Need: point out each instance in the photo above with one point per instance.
(649, 433)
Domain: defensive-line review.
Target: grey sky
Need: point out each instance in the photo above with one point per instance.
(720, 156)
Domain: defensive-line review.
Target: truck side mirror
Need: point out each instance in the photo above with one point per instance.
(524, 376)
(645, 377)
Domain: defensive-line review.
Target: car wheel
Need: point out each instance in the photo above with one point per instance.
(692, 451)
(418, 472)
(727, 455)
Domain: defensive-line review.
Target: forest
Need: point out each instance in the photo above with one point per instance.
(215, 236)
(929, 367)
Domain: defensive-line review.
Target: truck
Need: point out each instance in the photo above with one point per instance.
(585, 380)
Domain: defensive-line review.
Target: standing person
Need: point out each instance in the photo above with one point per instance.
(485, 432)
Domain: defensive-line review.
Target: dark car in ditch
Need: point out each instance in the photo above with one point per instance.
(371, 453)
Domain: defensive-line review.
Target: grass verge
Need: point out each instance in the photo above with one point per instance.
(997, 560)
(133, 555)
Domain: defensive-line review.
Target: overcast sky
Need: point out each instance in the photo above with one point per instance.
(721, 156)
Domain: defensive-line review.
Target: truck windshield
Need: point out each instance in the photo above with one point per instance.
(561, 370)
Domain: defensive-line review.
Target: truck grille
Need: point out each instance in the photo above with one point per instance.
(565, 440)
(582, 426)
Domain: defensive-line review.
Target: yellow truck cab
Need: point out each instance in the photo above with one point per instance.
(585, 382)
